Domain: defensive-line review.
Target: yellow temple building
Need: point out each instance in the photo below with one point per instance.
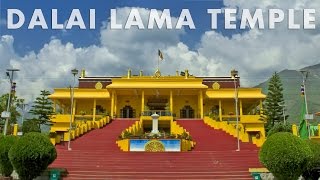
(97, 100)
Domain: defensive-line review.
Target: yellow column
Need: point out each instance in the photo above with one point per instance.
(201, 104)
(94, 109)
(318, 130)
(107, 108)
(142, 101)
(115, 103)
(74, 109)
(112, 104)
(171, 101)
(220, 110)
(15, 129)
(240, 107)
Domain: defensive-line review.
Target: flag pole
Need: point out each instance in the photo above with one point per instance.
(304, 78)
(158, 61)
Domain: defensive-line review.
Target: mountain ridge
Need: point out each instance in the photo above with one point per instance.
(292, 81)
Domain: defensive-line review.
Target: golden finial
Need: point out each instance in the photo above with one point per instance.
(83, 73)
(186, 73)
(129, 73)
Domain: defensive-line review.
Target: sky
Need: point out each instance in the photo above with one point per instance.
(45, 57)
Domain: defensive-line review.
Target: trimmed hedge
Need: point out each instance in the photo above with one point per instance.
(285, 155)
(6, 143)
(31, 155)
(30, 126)
(279, 128)
(314, 164)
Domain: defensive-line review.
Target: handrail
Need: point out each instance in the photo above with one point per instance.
(159, 112)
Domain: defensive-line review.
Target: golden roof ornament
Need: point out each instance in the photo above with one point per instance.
(215, 86)
(83, 73)
(157, 74)
(98, 85)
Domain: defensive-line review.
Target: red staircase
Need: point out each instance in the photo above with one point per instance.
(209, 139)
(96, 156)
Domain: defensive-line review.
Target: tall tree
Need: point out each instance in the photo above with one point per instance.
(15, 102)
(42, 109)
(273, 110)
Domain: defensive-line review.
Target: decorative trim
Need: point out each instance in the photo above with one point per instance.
(98, 85)
(215, 86)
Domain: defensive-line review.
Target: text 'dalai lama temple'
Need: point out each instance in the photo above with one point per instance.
(213, 100)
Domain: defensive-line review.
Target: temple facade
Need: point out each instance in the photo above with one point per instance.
(180, 96)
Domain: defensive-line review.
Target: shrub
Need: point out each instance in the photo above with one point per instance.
(6, 142)
(53, 134)
(314, 163)
(30, 126)
(285, 155)
(31, 155)
(126, 134)
(279, 128)
(185, 136)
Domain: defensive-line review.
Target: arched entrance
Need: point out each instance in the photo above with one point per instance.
(127, 112)
(187, 112)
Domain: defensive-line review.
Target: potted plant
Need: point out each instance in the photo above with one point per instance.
(59, 111)
(83, 113)
(52, 136)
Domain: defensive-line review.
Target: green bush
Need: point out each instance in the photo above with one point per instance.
(285, 155)
(314, 162)
(52, 134)
(279, 128)
(126, 134)
(6, 143)
(31, 155)
(30, 126)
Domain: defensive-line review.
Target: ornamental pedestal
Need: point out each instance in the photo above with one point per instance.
(155, 118)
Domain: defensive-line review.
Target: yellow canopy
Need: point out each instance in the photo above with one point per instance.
(64, 93)
(243, 93)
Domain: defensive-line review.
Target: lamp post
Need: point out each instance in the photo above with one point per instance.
(74, 73)
(12, 88)
(304, 79)
(23, 108)
(234, 76)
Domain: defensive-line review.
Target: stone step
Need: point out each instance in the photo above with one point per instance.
(96, 156)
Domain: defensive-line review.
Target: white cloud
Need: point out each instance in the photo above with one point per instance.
(6, 54)
(138, 48)
(6, 47)
(256, 54)
(119, 50)
(293, 4)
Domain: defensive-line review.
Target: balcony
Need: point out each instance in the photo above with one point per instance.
(159, 112)
(65, 118)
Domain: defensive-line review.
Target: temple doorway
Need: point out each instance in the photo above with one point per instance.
(187, 112)
(127, 112)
